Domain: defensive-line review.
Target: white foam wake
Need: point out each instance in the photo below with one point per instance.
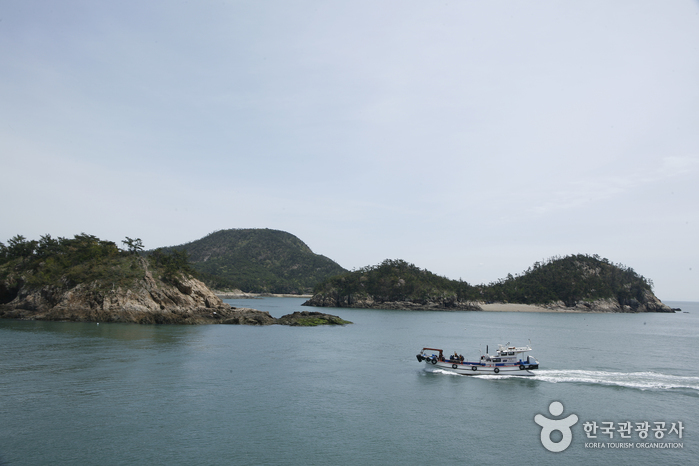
(639, 380)
(442, 371)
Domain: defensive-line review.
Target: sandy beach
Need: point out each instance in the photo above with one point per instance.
(509, 307)
(493, 307)
(243, 295)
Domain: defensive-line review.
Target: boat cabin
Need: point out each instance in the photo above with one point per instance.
(508, 354)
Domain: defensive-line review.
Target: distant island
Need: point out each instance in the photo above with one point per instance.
(86, 279)
(572, 283)
(257, 260)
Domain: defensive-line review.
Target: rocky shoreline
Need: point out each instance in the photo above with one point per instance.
(587, 307)
(149, 301)
(367, 302)
(650, 304)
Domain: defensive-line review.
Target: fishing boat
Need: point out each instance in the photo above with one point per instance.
(508, 360)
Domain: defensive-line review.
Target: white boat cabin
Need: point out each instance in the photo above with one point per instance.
(507, 355)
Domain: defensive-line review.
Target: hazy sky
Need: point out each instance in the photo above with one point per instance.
(470, 138)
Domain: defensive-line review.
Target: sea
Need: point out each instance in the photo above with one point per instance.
(618, 389)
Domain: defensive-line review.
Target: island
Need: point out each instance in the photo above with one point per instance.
(577, 283)
(257, 260)
(85, 279)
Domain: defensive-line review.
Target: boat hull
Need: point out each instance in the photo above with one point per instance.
(470, 368)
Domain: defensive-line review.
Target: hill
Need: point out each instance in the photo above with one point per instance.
(259, 261)
(393, 284)
(570, 280)
(580, 281)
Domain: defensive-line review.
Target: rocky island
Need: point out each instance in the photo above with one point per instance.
(85, 279)
(577, 283)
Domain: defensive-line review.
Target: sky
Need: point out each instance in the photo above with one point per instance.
(469, 138)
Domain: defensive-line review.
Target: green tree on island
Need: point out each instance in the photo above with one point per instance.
(134, 246)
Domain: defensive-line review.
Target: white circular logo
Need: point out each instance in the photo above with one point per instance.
(548, 426)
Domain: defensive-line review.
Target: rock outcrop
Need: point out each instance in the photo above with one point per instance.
(245, 316)
(185, 301)
(149, 301)
(310, 319)
(650, 303)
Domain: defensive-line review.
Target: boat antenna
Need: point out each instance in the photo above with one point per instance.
(486, 349)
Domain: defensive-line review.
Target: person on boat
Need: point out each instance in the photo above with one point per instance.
(461, 357)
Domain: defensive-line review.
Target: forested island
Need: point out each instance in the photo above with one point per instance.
(90, 280)
(257, 260)
(578, 282)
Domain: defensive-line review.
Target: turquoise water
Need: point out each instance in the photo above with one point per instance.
(113, 394)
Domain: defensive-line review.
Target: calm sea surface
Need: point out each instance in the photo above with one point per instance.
(118, 394)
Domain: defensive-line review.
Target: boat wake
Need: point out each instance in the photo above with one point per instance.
(441, 371)
(638, 380)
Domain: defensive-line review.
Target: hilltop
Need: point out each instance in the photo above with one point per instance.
(579, 282)
(258, 261)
